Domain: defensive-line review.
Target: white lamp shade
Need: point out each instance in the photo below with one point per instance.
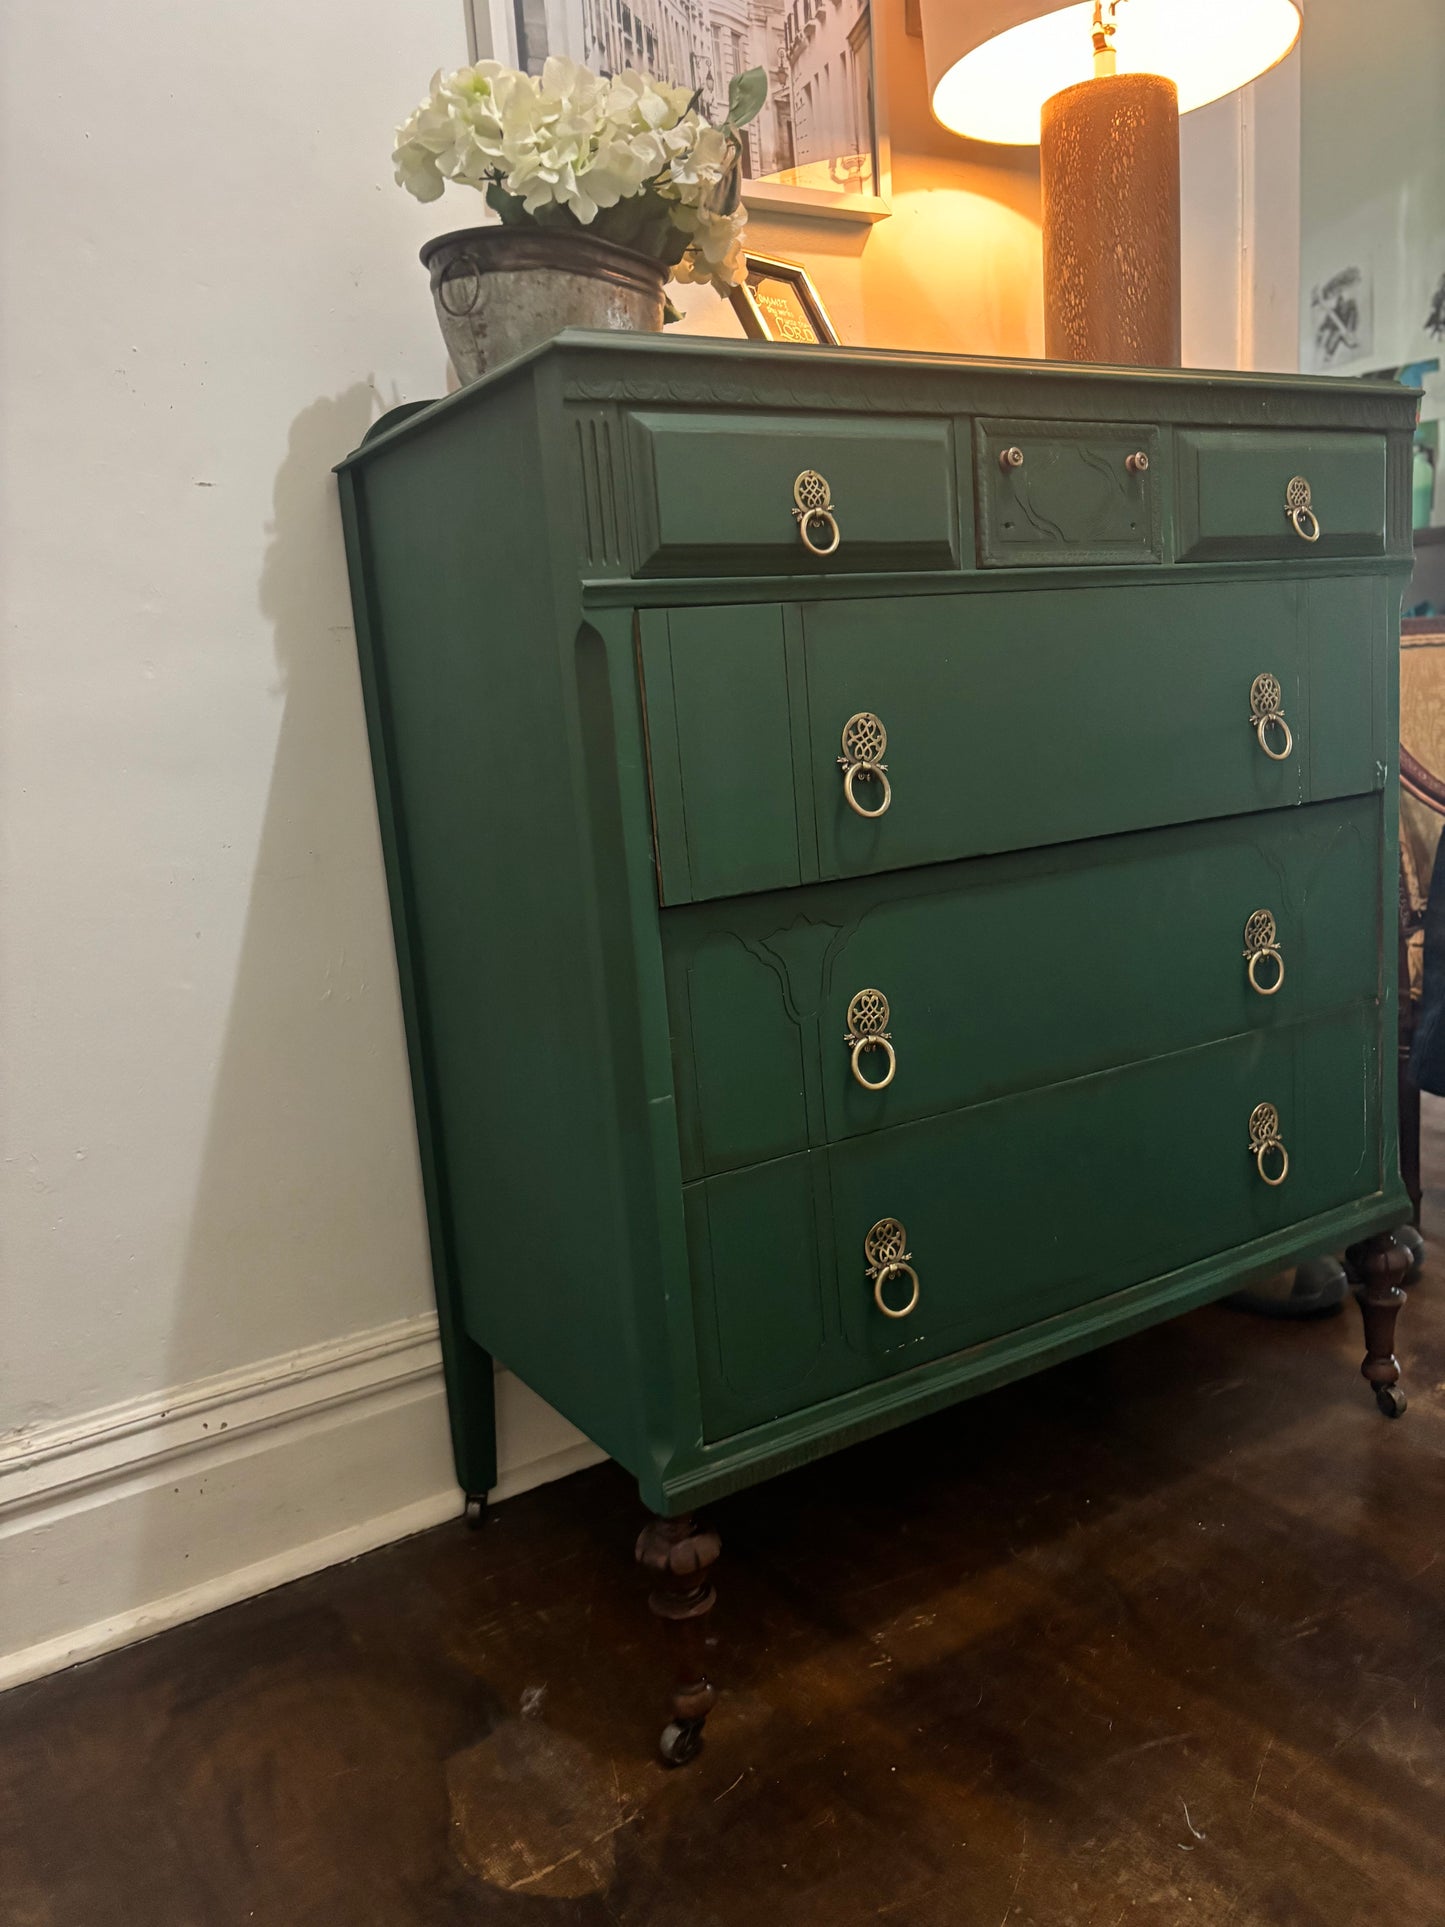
(993, 63)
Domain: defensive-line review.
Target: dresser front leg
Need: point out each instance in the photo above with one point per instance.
(1379, 1267)
(678, 1556)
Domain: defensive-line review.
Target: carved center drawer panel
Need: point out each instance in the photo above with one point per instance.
(1148, 1168)
(870, 1004)
(857, 736)
(1052, 493)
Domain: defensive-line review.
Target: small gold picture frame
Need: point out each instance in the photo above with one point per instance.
(777, 302)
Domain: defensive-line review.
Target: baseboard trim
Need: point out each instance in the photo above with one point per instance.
(212, 1415)
(124, 1522)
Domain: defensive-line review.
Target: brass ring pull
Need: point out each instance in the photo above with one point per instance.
(1298, 517)
(1264, 1138)
(813, 503)
(884, 1277)
(887, 1260)
(864, 741)
(868, 1030)
(1262, 1152)
(1297, 507)
(851, 771)
(829, 522)
(875, 1043)
(1270, 953)
(1266, 713)
(1261, 942)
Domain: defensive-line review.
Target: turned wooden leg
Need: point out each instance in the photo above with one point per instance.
(1379, 1266)
(678, 1556)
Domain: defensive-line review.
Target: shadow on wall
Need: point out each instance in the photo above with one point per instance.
(307, 1223)
(308, 1219)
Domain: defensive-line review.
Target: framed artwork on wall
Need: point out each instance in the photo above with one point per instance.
(815, 148)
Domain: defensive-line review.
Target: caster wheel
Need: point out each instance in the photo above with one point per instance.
(1391, 1400)
(476, 1511)
(1414, 1244)
(681, 1741)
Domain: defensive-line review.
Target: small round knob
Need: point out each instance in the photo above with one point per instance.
(1137, 463)
(1011, 458)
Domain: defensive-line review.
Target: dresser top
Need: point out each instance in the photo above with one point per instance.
(707, 371)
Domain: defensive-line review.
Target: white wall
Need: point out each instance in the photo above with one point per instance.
(211, 1207)
(1374, 169)
(1239, 190)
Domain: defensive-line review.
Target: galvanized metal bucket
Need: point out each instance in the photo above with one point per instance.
(501, 290)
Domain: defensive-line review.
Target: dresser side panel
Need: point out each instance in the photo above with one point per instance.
(487, 786)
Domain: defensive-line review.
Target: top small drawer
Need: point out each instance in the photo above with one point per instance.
(1262, 496)
(734, 494)
(1055, 494)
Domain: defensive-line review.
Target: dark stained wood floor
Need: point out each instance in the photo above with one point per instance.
(1156, 1639)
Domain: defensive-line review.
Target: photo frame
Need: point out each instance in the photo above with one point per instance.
(817, 148)
(778, 302)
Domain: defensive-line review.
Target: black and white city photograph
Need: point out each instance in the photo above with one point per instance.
(817, 128)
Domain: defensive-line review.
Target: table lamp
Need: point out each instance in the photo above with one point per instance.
(1099, 86)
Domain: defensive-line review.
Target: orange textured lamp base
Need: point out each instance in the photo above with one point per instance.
(1110, 155)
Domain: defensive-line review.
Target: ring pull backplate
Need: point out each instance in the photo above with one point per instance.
(818, 529)
(868, 1031)
(1297, 507)
(884, 1248)
(1265, 1145)
(1261, 950)
(1266, 717)
(864, 741)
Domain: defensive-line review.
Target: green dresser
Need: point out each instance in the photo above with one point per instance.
(893, 862)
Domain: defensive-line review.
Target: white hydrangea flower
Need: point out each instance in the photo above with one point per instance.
(568, 138)
(716, 251)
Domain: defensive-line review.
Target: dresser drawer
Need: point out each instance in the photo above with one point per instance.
(993, 977)
(1034, 717)
(1260, 496)
(1060, 493)
(1011, 720)
(1016, 1211)
(730, 494)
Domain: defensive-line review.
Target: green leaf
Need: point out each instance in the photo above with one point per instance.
(509, 206)
(553, 216)
(726, 197)
(644, 222)
(746, 94)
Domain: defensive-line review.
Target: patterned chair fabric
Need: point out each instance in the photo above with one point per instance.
(1422, 784)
